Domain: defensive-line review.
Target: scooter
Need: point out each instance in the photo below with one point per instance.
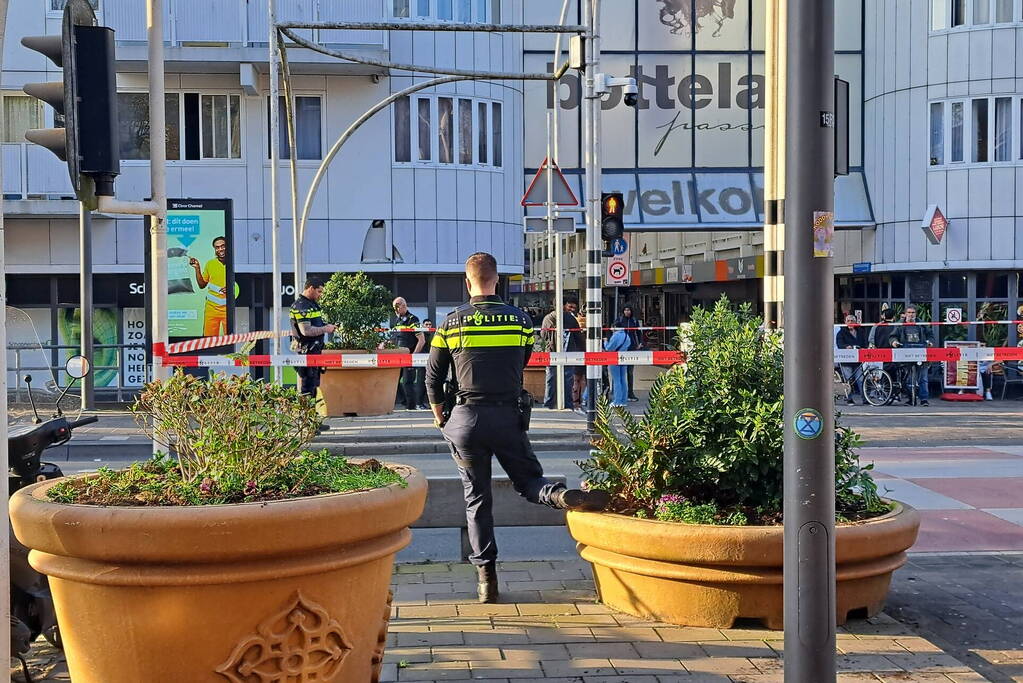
(32, 612)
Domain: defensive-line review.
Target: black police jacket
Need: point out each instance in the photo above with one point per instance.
(308, 311)
(489, 343)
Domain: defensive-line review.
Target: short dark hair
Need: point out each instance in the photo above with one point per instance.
(570, 300)
(217, 239)
(481, 267)
(314, 281)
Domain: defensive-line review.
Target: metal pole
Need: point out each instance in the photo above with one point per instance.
(275, 160)
(559, 276)
(809, 568)
(5, 544)
(85, 302)
(297, 228)
(591, 121)
(559, 285)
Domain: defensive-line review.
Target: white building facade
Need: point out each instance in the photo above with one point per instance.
(421, 186)
(936, 92)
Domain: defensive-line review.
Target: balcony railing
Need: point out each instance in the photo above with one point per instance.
(241, 22)
(31, 171)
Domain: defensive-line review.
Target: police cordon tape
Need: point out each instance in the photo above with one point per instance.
(406, 360)
(929, 355)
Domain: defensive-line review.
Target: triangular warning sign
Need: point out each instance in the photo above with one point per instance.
(536, 194)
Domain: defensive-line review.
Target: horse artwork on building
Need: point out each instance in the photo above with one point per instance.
(680, 19)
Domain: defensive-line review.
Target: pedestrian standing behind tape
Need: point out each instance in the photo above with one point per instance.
(489, 344)
(308, 331)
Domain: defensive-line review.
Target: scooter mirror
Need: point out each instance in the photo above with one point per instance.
(77, 367)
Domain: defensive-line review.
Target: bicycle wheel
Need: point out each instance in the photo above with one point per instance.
(877, 387)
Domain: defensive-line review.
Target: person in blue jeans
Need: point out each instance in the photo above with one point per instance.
(619, 341)
(913, 335)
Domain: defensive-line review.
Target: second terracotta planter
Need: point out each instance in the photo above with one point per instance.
(705, 575)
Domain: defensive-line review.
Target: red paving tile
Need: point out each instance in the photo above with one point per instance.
(980, 492)
(916, 454)
(966, 530)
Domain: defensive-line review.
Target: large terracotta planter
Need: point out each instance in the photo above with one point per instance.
(703, 575)
(256, 592)
(360, 391)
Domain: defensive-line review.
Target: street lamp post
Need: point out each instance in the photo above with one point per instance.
(809, 292)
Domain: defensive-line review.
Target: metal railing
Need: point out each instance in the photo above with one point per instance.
(56, 379)
(242, 23)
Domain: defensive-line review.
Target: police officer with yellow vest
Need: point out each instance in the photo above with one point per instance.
(489, 343)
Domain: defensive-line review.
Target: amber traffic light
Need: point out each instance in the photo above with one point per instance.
(612, 215)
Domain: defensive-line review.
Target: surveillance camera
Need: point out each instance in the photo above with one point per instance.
(631, 94)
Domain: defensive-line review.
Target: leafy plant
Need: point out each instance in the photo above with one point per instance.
(713, 433)
(158, 482)
(994, 335)
(359, 307)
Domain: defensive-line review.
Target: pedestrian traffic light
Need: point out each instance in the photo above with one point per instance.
(612, 215)
(86, 100)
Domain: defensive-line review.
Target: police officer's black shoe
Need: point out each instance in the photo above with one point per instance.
(583, 501)
(486, 589)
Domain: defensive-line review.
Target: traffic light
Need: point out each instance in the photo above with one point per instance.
(612, 215)
(86, 99)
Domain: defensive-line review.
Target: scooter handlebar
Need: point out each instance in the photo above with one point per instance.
(84, 421)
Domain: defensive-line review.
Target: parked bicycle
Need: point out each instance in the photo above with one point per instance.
(876, 383)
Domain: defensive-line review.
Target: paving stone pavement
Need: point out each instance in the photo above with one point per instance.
(548, 627)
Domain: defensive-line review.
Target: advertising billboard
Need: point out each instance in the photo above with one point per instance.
(200, 268)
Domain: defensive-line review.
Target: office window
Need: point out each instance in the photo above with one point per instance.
(958, 12)
(981, 12)
(1003, 11)
(467, 132)
(58, 5)
(308, 115)
(1003, 129)
(937, 133)
(497, 132)
(444, 10)
(956, 152)
(445, 128)
(424, 129)
(401, 9)
(422, 8)
(133, 125)
(980, 130)
(221, 126)
(464, 131)
(402, 130)
(482, 155)
(939, 14)
(464, 11)
(481, 11)
(21, 113)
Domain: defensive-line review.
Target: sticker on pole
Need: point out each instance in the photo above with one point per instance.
(808, 423)
(823, 233)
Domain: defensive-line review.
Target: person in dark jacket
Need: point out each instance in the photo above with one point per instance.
(848, 337)
(627, 321)
(574, 341)
(913, 335)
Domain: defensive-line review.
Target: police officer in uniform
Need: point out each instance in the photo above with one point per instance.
(308, 330)
(489, 343)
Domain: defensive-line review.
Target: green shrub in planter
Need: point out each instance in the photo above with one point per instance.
(359, 307)
(709, 448)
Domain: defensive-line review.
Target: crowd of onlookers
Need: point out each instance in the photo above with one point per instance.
(908, 333)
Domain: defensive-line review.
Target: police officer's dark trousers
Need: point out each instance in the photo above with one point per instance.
(309, 380)
(475, 434)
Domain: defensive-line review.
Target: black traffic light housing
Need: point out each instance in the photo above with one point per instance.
(612, 218)
(87, 100)
(612, 215)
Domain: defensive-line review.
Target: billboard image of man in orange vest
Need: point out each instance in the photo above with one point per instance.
(213, 278)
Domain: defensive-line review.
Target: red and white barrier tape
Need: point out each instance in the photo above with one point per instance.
(225, 340)
(935, 324)
(405, 360)
(929, 355)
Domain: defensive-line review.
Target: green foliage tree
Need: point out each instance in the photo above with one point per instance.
(713, 433)
(359, 307)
